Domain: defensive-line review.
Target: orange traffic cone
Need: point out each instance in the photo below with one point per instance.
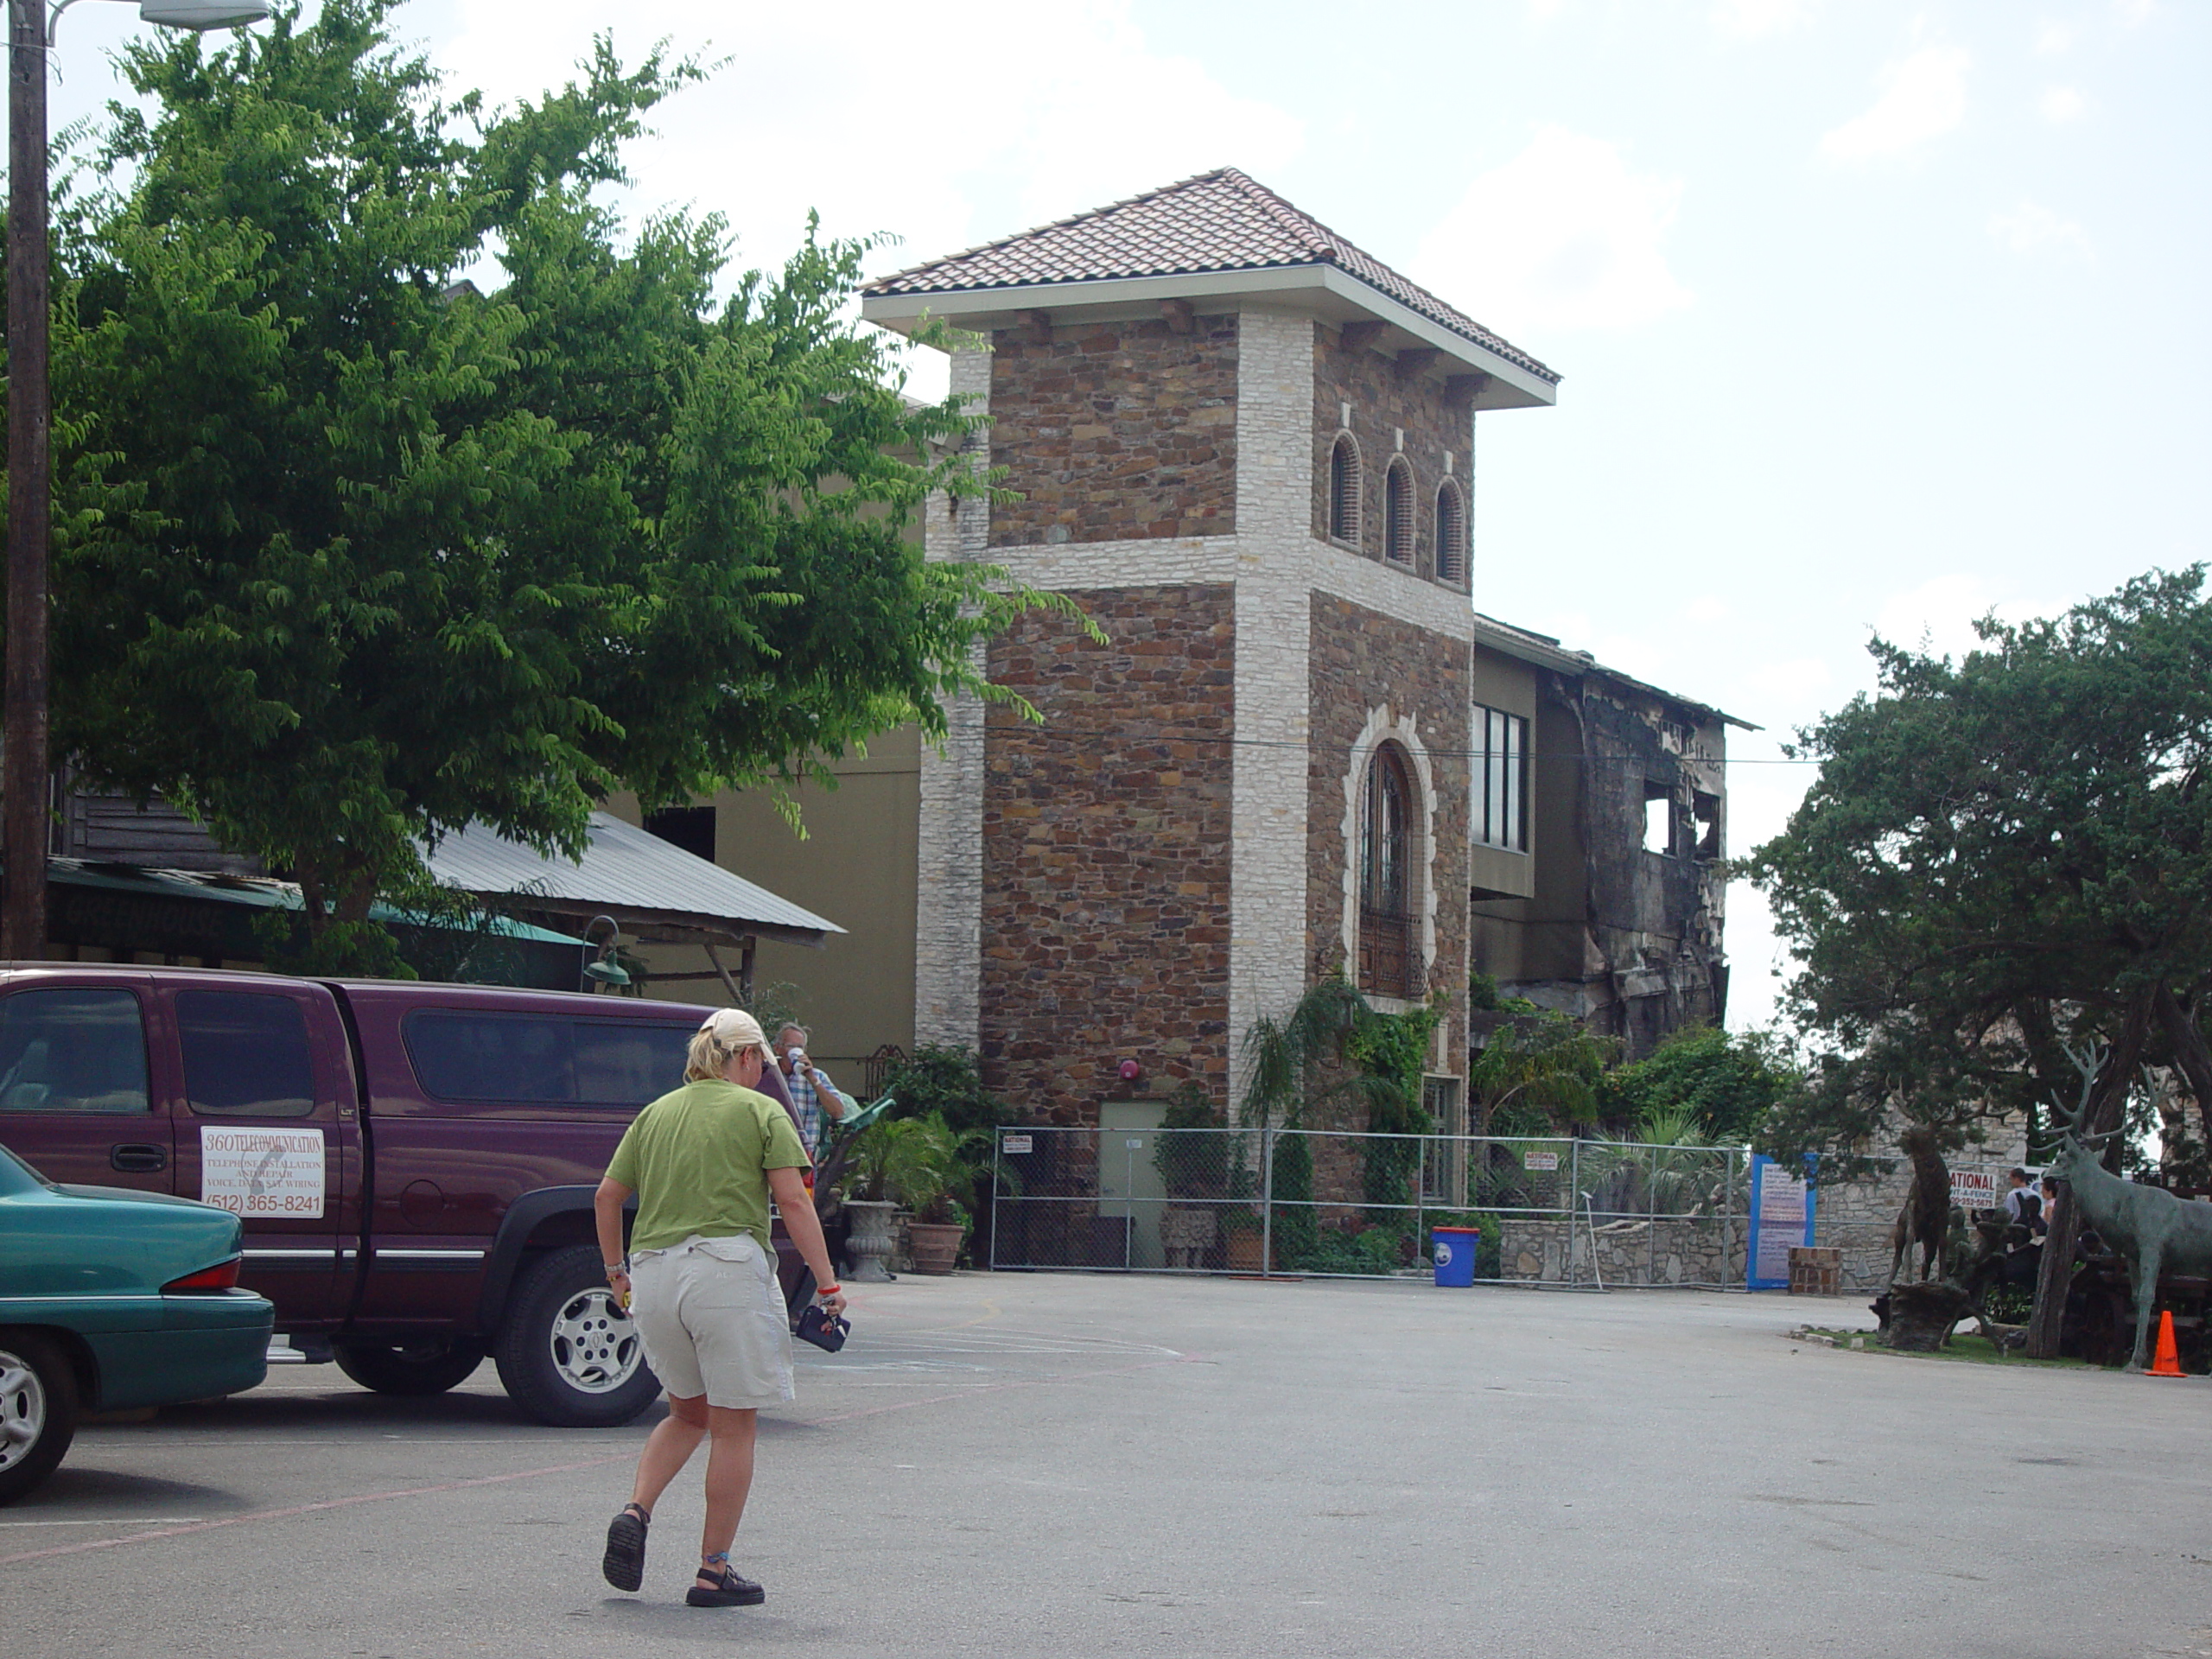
(2168, 1361)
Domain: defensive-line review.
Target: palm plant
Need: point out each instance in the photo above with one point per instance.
(1291, 1060)
(908, 1160)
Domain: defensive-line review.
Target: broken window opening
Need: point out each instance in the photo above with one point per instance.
(1706, 811)
(1658, 819)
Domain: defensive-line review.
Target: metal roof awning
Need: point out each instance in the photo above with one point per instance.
(653, 889)
(209, 917)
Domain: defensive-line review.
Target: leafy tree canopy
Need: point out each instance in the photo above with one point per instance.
(2000, 856)
(1702, 1078)
(349, 555)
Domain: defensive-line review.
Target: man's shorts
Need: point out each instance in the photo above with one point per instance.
(713, 1321)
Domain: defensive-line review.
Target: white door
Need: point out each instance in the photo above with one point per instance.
(1130, 1186)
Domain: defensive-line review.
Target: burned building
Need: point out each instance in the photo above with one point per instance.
(1619, 922)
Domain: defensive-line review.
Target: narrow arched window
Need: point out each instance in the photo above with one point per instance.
(1451, 536)
(1385, 877)
(1344, 490)
(1398, 513)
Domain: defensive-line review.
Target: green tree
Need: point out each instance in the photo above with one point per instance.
(1541, 1073)
(349, 555)
(1706, 1080)
(2000, 856)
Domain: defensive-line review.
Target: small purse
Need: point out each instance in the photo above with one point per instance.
(825, 1331)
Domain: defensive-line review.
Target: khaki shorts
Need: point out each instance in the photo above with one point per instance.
(712, 1317)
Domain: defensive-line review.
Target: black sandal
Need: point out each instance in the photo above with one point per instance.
(728, 1590)
(625, 1562)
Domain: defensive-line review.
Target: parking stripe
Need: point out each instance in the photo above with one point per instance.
(312, 1508)
(628, 1456)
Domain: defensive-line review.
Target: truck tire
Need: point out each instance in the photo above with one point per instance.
(410, 1370)
(566, 1354)
(38, 1411)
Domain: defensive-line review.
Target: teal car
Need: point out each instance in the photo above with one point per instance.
(110, 1301)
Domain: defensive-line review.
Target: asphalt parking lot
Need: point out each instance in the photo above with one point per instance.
(1075, 1466)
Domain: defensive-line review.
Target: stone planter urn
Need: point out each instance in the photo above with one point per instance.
(935, 1244)
(869, 1241)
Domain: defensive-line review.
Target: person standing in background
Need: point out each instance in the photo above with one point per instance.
(815, 1099)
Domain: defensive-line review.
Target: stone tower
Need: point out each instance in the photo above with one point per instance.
(1246, 449)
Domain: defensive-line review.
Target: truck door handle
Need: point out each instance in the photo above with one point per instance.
(137, 1157)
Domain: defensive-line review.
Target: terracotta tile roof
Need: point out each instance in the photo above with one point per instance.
(1217, 221)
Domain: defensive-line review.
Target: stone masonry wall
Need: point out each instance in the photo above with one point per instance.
(1106, 850)
(1373, 679)
(1113, 431)
(1385, 406)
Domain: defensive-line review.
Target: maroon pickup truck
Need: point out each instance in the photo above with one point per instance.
(414, 1163)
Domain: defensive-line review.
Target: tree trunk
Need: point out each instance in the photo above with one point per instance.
(2055, 1273)
(1921, 1315)
(2191, 1053)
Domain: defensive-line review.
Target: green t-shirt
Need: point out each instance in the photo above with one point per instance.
(698, 1160)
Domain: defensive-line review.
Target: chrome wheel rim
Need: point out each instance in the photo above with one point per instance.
(23, 1409)
(595, 1344)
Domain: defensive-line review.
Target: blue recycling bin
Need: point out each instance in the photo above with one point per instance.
(1455, 1254)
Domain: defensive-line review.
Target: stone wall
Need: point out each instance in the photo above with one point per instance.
(1703, 1251)
(1106, 850)
(1113, 431)
(1376, 679)
(1392, 413)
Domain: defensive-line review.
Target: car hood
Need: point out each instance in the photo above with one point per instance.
(127, 1195)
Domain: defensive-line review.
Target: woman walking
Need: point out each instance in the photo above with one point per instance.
(700, 1278)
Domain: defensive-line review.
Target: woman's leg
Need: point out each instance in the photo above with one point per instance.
(729, 1477)
(669, 1447)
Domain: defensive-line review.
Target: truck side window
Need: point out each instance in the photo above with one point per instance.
(245, 1054)
(72, 1049)
(530, 1061)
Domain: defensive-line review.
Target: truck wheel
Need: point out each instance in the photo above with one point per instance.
(38, 1411)
(568, 1355)
(411, 1370)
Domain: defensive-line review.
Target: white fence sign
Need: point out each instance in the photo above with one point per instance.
(1540, 1160)
(275, 1172)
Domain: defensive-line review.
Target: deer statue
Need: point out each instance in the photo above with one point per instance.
(2153, 1229)
(1926, 1215)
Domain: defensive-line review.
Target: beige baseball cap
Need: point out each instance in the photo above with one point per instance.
(735, 1029)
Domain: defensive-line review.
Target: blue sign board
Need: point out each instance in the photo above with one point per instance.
(1782, 1214)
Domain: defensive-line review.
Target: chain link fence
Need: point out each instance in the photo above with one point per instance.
(1563, 1212)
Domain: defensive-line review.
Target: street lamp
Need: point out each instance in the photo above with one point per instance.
(23, 765)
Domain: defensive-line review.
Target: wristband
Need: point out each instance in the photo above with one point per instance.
(828, 1290)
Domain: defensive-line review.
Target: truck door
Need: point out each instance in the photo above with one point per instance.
(265, 1128)
(74, 1100)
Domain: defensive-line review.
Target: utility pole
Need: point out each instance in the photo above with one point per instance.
(23, 762)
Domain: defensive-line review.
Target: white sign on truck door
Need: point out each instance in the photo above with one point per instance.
(273, 1173)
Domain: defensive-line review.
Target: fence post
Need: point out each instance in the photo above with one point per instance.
(998, 1172)
(1267, 1201)
(1574, 1196)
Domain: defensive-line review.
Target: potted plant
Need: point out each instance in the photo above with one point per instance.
(937, 1232)
(911, 1161)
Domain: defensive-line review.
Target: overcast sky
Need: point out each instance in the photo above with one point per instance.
(1872, 314)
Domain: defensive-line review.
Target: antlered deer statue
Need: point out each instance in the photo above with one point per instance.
(2157, 1231)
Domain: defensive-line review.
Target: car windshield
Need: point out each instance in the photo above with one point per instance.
(16, 1176)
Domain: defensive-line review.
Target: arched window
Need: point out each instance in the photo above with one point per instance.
(1450, 534)
(1386, 956)
(1398, 513)
(1344, 490)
